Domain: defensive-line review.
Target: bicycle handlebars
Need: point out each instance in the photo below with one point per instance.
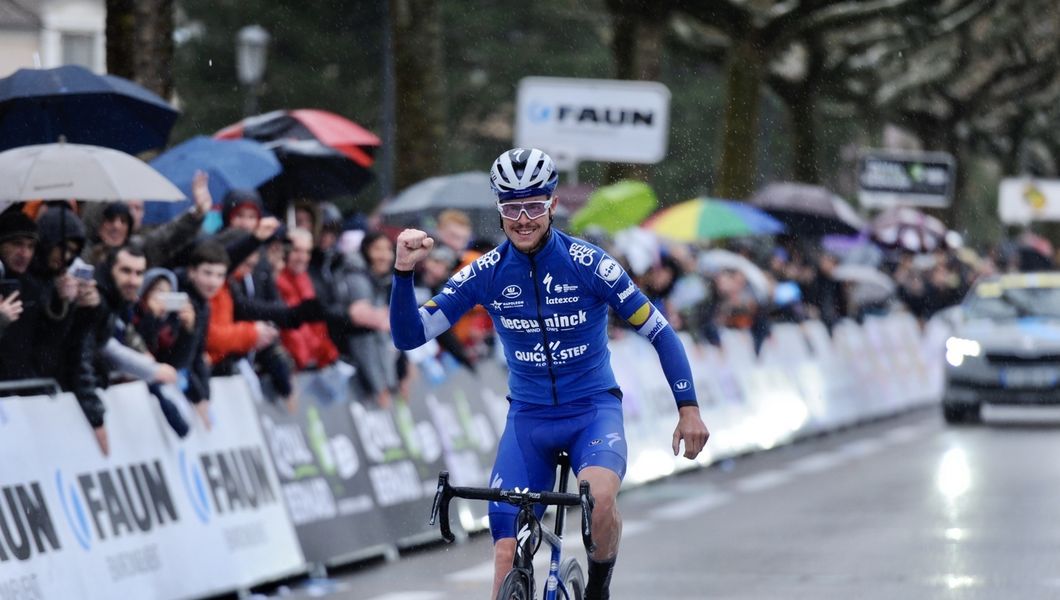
(517, 497)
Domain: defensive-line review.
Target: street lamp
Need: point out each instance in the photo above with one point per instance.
(251, 47)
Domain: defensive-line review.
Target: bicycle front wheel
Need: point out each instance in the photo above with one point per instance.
(516, 586)
(570, 573)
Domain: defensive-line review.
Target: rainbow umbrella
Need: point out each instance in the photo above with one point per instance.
(703, 219)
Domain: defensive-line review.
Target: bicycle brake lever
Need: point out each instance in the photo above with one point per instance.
(441, 506)
(587, 503)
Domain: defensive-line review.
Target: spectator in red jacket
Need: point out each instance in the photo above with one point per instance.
(309, 345)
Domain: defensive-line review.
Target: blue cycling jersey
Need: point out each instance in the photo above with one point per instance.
(549, 309)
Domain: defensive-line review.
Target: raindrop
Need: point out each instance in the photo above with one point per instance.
(210, 62)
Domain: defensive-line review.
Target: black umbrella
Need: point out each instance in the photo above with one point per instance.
(39, 105)
(324, 155)
(808, 209)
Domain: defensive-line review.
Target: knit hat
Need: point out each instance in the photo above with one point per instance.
(15, 224)
(236, 199)
(153, 275)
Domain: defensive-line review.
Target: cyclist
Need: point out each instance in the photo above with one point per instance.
(548, 296)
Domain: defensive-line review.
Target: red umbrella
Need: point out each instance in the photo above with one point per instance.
(323, 154)
(355, 142)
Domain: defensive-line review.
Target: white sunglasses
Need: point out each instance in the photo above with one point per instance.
(533, 210)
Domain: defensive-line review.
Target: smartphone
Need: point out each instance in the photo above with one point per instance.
(82, 270)
(173, 301)
(9, 286)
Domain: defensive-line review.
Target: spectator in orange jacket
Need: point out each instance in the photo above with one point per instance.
(227, 337)
(310, 344)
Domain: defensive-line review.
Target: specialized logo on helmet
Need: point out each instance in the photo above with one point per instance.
(609, 270)
(522, 173)
(582, 254)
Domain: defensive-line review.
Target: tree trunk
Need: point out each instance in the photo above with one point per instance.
(140, 43)
(805, 165)
(120, 28)
(419, 90)
(745, 67)
(637, 49)
(153, 59)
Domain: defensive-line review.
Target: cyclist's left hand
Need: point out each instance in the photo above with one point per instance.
(692, 430)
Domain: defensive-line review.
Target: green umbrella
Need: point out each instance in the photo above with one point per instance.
(616, 207)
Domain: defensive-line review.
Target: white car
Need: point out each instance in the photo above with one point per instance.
(1005, 348)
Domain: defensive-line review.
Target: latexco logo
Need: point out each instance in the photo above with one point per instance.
(121, 501)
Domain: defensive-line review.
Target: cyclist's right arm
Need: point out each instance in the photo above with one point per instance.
(411, 325)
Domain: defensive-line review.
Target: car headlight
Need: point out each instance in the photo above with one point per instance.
(957, 349)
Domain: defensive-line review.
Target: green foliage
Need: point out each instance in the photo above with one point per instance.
(329, 54)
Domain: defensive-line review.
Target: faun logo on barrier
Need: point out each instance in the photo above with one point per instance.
(125, 500)
(27, 514)
(191, 476)
(237, 479)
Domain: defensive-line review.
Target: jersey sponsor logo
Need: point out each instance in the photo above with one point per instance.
(558, 355)
(498, 306)
(613, 438)
(463, 275)
(512, 291)
(609, 270)
(596, 442)
(562, 300)
(559, 288)
(626, 293)
(555, 322)
(682, 385)
(488, 259)
(656, 327)
(582, 254)
(448, 291)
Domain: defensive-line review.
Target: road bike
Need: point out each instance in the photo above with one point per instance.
(565, 579)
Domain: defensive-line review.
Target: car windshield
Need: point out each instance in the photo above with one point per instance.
(996, 301)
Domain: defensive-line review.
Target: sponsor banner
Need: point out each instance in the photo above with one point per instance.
(400, 459)
(1022, 200)
(593, 119)
(889, 178)
(158, 518)
(322, 473)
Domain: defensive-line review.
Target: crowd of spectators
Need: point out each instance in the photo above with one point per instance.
(90, 297)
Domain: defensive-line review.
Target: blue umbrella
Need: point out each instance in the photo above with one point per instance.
(39, 105)
(230, 164)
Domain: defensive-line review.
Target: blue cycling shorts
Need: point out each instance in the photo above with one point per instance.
(589, 430)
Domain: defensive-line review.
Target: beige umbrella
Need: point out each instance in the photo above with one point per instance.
(78, 172)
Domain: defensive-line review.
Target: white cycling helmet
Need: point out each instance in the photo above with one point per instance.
(522, 173)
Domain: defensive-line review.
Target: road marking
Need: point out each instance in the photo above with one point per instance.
(412, 595)
(860, 448)
(762, 481)
(815, 463)
(904, 434)
(692, 506)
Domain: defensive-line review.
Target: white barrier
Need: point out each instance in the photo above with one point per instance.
(159, 518)
(163, 517)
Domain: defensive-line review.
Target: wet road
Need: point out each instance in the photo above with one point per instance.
(905, 508)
